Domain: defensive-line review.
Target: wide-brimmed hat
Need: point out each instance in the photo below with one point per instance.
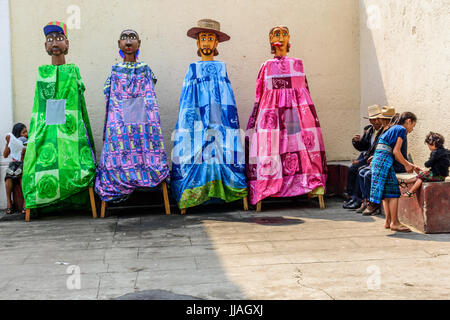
(374, 111)
(387, 113)
(208, 25)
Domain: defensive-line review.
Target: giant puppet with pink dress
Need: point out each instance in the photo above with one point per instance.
(284, 145)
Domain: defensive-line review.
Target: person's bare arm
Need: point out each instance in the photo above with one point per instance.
(399, 156)
(7, 151)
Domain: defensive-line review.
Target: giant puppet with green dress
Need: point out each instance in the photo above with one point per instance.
(59, 166)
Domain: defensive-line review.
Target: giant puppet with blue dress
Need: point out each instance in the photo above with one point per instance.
(208, 161)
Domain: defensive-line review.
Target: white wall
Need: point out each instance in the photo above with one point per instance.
(6, 116)
(405, 62)
(324, 33)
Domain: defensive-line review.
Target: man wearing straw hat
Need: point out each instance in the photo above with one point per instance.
(363, 144)
(364, 173)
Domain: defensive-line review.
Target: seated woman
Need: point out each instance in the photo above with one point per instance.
(15, 147)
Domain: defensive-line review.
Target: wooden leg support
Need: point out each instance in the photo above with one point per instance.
(321, 201)
(259, 206)
(93, 206)
(102, 214)
(245, 204)
(183, 211)
(27, 215)
(166, 198)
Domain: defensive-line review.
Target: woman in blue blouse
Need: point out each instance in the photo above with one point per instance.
(384, 184)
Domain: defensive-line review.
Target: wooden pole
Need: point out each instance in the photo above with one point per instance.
(103, 211)
(93, 206)
(166, 198)
(245, 204)
(259, 206)
(321, 202)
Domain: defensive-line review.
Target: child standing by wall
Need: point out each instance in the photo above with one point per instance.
(15, 146)
(439, 162)
(384, 185)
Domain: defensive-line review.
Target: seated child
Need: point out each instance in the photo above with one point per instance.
(15, 146)
(439, 162)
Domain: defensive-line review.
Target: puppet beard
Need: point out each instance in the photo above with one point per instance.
(207, 51)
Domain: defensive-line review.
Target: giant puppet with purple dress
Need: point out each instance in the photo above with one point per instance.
(285, 149)
(134, 154)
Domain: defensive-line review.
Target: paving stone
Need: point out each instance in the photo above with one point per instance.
(217, 253)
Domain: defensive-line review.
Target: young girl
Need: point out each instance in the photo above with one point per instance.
(439, 162)
(384, 184)
(15, 146)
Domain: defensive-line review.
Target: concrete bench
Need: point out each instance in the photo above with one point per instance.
(337, 177)
(428, 211)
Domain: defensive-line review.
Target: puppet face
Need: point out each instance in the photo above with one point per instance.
(207, 44)
(56, 44)
(129, 42)
(279, 39)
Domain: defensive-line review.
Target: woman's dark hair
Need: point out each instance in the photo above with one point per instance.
(435, 139)
(17, 129)
(394, 120)
(405, 116)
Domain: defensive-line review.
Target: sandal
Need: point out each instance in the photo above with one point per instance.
(402, 183)
(408, 194)
(9, 210)
(401, 229)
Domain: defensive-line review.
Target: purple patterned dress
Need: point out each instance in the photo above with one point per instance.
(133, 155)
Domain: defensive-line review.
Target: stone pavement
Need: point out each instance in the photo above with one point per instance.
(292, 250)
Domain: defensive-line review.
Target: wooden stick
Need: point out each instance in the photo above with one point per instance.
(259, 206)
(166, 198)
(183, 211)
(27, 215)
(321, 201)
(93, 206)
(102, 214)
(245, 204)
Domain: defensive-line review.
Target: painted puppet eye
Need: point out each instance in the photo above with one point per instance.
(49, 39)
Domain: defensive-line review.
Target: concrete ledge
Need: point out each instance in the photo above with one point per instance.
(428, 211)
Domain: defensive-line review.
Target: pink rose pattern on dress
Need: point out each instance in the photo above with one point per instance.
(290, 164)
(308, 139)
(268, 168)
(270, 120)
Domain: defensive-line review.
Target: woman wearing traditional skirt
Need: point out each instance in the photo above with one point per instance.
(285, 149)
(384, 184)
